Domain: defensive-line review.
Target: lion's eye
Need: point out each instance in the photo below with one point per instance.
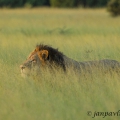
(33, 60)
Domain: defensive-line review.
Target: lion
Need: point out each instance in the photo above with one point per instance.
(45, 56)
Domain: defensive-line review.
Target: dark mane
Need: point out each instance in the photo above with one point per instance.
(55, 56)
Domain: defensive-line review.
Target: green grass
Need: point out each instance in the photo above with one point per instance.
(80, 34)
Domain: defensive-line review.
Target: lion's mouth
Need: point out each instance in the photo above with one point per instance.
(22, 71)
(25, 72)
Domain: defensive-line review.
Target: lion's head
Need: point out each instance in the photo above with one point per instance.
(42, 57)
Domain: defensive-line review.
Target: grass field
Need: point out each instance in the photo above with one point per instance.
(80, 34)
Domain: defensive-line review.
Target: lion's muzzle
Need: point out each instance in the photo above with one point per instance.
(22, 67)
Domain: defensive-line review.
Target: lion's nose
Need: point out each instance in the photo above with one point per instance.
(22, 67)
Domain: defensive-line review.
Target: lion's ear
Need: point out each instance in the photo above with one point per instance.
(36, 49)
(43, 55)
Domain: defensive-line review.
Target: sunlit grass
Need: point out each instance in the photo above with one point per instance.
(80, 34)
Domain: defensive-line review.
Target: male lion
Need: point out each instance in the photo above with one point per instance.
(45, 56)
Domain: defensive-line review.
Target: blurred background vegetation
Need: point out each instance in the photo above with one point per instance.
(54, 3)
(113, 6)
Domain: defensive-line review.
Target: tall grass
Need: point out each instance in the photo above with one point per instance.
(80, 34)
